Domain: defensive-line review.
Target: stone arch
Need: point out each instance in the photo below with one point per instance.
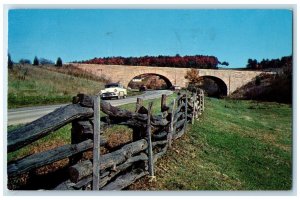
(222, 86)
(165, 76)
(167, 81)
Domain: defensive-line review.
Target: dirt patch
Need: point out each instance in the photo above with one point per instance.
(118, 139)
(117, 136)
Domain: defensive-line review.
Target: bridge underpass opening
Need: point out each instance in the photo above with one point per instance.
(151, 81)
(213, 86)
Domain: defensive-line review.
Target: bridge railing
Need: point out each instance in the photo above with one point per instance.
(118, 168)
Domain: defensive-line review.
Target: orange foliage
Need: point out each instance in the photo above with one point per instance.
(193, 77)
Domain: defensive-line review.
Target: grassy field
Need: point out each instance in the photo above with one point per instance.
(236, 145)
(29, 86)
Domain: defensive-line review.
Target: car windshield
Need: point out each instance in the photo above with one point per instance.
(111, 85)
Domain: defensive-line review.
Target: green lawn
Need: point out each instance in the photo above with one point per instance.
(236, 145)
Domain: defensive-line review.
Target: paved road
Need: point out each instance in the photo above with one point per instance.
(28, 114)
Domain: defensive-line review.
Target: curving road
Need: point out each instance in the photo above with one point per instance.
(29, 114)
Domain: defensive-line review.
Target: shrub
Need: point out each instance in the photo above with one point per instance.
(24, 61)
(257, 80)
(44, 61)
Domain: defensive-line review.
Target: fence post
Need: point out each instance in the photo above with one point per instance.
(139, 103)
(96, 146)
(150, 153)
(171, 130)
(75, 135)
(202, 100)
(163, 103)
(137, 131)
(194, 107)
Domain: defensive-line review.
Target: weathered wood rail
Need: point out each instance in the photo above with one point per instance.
(152, 136)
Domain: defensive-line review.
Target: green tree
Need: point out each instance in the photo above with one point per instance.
(36, 61)
(252, 64)
(9, 62)
(59, 62)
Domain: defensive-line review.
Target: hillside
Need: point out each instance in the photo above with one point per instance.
(236, 145)
(266, 87)
(28, 85)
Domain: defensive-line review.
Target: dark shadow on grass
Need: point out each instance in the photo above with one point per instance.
(35, 181)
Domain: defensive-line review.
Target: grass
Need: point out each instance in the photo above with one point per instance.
(31, 86)
(55, 139)
(236, 145)
(155, 106)
(28, 86)
(76, 72)
(63, 135)
(134, 92)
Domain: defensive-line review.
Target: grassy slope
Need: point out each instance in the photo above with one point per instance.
(42, 86)
(236, 145)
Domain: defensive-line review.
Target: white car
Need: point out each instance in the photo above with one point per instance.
(175, 87)
(113, 90)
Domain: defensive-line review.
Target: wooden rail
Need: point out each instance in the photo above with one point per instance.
(115, 170)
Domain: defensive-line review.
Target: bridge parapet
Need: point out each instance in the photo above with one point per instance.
(233, 79)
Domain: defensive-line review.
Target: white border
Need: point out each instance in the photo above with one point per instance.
(153, 4)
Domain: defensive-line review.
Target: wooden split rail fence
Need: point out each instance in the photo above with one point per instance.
(152, 136)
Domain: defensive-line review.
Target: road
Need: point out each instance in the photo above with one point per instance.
(29, 114)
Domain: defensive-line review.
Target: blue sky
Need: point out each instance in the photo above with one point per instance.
(230, 35)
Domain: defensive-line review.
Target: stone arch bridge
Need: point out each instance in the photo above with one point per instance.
(231, 79)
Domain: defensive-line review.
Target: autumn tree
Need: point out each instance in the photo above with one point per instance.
(193, 76)
(154, 82)
(196, 61)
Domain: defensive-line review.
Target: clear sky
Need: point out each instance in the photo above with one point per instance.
(230, 35)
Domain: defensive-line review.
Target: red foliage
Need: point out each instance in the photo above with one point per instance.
(197, 61)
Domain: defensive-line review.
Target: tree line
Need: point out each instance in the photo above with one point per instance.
(36, 61)
(197, 61)
(266, 63)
